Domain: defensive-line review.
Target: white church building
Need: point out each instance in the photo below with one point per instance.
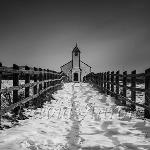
(76, 69)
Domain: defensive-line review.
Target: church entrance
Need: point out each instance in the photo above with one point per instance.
(75, 76)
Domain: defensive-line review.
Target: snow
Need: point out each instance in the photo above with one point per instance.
(79, 118)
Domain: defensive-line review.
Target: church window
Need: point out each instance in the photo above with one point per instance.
(76, 53)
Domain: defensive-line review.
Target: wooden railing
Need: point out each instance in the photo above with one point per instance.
(117, 84)
(42, 81)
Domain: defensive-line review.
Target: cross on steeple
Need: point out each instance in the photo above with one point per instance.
(76, 45)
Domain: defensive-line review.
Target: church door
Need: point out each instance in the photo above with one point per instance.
(75, 76)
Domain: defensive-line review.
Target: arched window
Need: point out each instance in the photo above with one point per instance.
(76, 53)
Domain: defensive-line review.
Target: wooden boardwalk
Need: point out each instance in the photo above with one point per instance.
(79, 118)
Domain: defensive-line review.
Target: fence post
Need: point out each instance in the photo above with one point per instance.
(35, 80)
(133, 92)
(44, 78)
(35, 88)
(48, 77)
(147, 93)
(124, 86)
(0, 93)
(27, 81)
(108, 84)
(117, 85)
(15, 83)
(53, 82)
(102, 82)
(105, 82)
(99, 80)
(112, 83)
(40, 79)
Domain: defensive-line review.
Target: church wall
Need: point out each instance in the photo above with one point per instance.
(66, 68)
(85, 70)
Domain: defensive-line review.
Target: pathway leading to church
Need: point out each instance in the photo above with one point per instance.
(79, 118)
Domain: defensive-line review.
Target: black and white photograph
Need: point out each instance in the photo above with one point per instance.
(74, 75)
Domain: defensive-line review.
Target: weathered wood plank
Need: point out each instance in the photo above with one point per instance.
(27, 81)
(117, 84)
(15, 83)
(124, 86)
(133, 92)
(112, 85)
(147, 93)
(107, 80)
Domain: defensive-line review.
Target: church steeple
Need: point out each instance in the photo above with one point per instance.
(76, 57)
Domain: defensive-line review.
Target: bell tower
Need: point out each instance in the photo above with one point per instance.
(76, 71)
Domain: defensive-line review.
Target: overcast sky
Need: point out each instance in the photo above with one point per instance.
(111, 34)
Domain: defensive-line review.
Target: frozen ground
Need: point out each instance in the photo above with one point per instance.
(78, 119)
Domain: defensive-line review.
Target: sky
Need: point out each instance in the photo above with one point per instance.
(111, 34)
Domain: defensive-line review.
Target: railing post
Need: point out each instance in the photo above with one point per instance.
(133, 92)
(57, 78)
(48, 77)
(53, 82)
(108, 84)
(40, 79)
(98, 76)
(0, 93)
(102, 81)
(117, 85)
(147, 93)
(99, 80)
(124, 87)
(96, 79)
(27, 89)
(105, 82)
(35, 80)
(44, 79)
(112, 83)
(35, 88)
(15, 83)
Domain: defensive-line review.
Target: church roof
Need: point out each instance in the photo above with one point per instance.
(76, 49)
(66, 64)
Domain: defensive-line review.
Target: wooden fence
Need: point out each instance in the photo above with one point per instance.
(117, 84)
(43, 80)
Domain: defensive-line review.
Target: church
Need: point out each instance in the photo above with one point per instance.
(76, 69)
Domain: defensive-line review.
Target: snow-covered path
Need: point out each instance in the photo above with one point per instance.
(78, 119)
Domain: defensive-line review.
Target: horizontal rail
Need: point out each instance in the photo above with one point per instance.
(3, 111)
(10, 89)
(43, 80)
(127, 87)
(125, 98)
(112, 83)
(132, 102)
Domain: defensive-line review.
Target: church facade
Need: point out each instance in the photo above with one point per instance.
(76, 69)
